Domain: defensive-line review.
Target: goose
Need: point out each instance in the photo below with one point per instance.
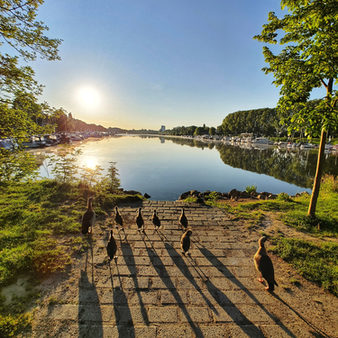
(88, 218)
(139, 220)
(118, 218)
(185, 241)
(183, 219)
(156, 221)
(111, 246)
(264, 266)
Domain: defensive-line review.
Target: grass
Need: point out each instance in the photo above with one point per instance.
(316, 262)
(40, 234)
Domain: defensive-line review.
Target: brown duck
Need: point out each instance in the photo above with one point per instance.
(264, 266)
(185, 242)
(111, 246)
(139, 220)
(156, 220)
(183, 219)
(118, 217)
(88, 218)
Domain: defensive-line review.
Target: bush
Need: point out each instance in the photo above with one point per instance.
(251, 189)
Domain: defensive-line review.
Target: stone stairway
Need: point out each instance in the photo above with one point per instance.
(152, 290)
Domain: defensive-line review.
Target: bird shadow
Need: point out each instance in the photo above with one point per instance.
(90, 252)
(317, 331)
(179, 262)
(236, 315)
(130, 262)
(223, 269)
(123, 318)
(164, 275)
(89, 308)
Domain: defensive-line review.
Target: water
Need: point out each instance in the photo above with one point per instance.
(165, 168)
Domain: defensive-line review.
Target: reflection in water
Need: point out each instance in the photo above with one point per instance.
(166, 167)
(89, 162)
(297, 167)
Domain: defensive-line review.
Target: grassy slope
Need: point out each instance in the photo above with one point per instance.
(39, 234)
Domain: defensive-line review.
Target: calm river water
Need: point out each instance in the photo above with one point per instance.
(165, 167)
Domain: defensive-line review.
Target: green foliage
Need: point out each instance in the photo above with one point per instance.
(250, 189)
(26, 36)
(12, 325)
(213, 196)
(16, 166)
(309, 32)
(284, 197)
(191, 199)
(317, 263)
(264, 122)
(64, 166)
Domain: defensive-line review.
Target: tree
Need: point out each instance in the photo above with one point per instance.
(309, 59)
(24, 35)
(212, 131)
(20, 30)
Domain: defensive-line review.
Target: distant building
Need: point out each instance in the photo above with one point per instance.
(162, 128)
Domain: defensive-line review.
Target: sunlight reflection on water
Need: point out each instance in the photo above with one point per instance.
(164, 169)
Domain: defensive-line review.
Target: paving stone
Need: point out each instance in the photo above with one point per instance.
(129, 282)
(167, 297)
(196, 314)
(162, 283)
(163, 314)
(170, 331)
(146, 297)
(245, 331)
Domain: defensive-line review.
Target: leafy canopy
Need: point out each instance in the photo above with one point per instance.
(309, 59)
(25, 35)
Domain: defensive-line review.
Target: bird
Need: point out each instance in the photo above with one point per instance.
(156, 220)
(185, 241)
(139, 220)
(183, 219)
(111, 246)
(264, 265)
(118, 218)
(88, 218)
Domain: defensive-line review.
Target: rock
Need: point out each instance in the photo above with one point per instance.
(200, 200)
(234, 194)
(245, 194)
(194, 193)
(146, 195)
(132, 192)
(184, 195)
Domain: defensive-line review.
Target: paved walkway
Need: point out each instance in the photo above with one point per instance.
(154, 291)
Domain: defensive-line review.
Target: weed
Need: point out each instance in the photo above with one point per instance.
(251, 189)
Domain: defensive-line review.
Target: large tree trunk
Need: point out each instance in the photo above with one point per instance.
(318, 176)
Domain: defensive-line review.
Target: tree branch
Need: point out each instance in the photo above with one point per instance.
(323, 82)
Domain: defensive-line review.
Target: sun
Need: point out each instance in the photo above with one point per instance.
(88, 96)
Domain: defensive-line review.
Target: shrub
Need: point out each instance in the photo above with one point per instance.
(250, 189)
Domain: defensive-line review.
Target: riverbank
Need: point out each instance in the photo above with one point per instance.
(41, 241)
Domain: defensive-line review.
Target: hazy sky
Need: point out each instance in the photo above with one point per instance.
(144, 63)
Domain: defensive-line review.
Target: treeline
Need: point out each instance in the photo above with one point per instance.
(260, 122)
(66, 123)
(191, 131)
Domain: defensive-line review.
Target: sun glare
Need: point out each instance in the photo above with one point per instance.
(88, 97)
(90, 162)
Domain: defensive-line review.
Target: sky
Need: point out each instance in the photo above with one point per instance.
(146, 63)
